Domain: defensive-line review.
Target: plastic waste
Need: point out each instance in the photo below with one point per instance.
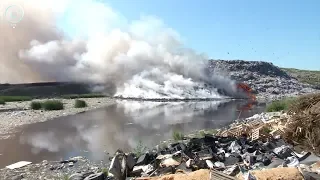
(293, 161)
(235, 147)
(209, 164)
(283, 151)
(219, 164)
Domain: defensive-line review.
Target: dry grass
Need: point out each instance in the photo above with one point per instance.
(304, 124)
(280, 105)
(305, 76)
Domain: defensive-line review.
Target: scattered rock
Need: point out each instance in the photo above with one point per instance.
(130, 161)
(54, 170)
(143, 159)
(44, 162)
(18, 177)
(190, 163)
(96, 176)
(70, 164)
(210, 164)
(76, 176)
(219, 165)
(115, 167)
(169, 162)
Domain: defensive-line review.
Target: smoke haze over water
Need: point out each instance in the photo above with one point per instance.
(142, 58)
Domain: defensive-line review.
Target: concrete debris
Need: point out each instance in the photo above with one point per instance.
(130, 161)
(219, 165)
(116, 167)
(96, 176)
(232, 171)
(18, 164)
(216, 175)
(169, 162)
(76, 168)
(210, 164)
(223, 155)
(18, 177)
(190, 163)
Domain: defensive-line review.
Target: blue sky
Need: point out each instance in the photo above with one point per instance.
(285, 32)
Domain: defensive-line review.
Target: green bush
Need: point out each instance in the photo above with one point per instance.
(15, 98)
(2, 102)
(35, 105)
(80, 104)
(105, 172)
(50, 105)
(139, 149)
(202, 133)
(66, 177)
(280, 105)
(177, 136)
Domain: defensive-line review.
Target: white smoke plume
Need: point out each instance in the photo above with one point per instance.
(141, 59)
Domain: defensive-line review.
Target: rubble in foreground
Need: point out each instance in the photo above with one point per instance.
(255, 148)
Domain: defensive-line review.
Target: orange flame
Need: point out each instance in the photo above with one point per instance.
(252, 98)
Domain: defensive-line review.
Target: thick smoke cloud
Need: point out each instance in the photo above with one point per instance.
(142, 58)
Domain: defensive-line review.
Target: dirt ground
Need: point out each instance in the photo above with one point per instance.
(288, 173)
(202, 174)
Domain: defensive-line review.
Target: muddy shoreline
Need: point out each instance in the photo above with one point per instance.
(16, 114)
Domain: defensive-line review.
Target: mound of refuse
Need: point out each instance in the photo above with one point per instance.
(303, 127)
(266, 79)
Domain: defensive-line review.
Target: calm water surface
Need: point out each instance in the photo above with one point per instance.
(121, 125)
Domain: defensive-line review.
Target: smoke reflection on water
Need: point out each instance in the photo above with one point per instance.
(121, 125)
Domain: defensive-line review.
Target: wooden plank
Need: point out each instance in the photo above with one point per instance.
(216, 175)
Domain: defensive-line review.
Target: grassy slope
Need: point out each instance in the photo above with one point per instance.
(305, 76)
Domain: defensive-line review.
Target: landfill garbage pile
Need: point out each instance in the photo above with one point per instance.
(267, 80)
(303, 127)
(230, 157)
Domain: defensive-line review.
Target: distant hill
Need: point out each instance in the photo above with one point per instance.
(304, 76)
